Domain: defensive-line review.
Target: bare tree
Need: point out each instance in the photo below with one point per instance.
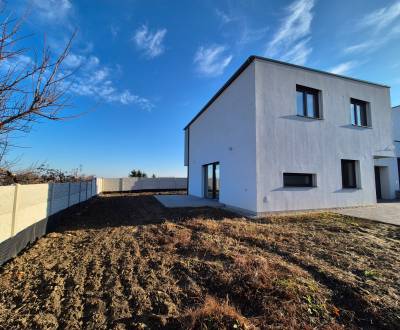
(30, 88)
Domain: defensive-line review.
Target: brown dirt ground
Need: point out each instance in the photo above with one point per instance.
(123, 261)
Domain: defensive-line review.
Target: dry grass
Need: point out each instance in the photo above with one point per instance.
(124, 261)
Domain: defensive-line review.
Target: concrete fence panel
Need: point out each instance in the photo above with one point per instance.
(111, 185)
(74, 193)
(99, 185)
(6, 211)
(33, 204)
(24, 211)
(137, 184)
(128, 183)
(82, 189)
(60, 197)
(181, 183)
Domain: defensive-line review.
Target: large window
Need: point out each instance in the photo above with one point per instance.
(359, 113)
(211, 180)
(298, 180)
(307, 102)
(349, 173)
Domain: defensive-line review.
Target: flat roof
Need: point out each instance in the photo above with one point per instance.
(250, 59)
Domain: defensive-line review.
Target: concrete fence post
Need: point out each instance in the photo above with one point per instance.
(87, 183)
(15, 207)
(121, 183)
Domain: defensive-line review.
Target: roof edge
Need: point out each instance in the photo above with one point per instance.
(318, 71)
(236, 74)
(250, 59)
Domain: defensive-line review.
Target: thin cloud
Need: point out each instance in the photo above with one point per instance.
(381, 25)
(383, 17)
(291, 41)
(95, 80)
(151, 43)
(53, 9)
(211, 61)
(114, 29)
(224, 17)
(19, 62)
(344, 67)
(244, 33)
(74, 60)
(363, 46)
(249, 35)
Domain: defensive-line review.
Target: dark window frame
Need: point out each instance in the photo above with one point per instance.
(346, 183)
(364, 108)
(309, 91)
(215, 194)
(310, 176)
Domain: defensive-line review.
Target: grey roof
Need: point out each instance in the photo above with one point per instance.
(250, 59)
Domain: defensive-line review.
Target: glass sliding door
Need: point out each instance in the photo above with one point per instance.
(211, 180)
(216, 181)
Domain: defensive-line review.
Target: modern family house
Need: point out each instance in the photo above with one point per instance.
(278, 136)
(396, 135)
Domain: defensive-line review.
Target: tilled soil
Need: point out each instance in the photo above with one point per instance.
(123, 261)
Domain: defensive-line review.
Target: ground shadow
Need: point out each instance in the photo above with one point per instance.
(117, 210)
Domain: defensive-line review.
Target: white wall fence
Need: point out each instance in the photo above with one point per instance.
(25, 209)
(136, 184)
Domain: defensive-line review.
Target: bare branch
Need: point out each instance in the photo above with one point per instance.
(30, 90)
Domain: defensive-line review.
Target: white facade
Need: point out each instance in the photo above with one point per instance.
(396, 129)
(252, 129)
(396, 137)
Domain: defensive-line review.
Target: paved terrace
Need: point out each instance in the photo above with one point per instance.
(172, 201)
(383, 212)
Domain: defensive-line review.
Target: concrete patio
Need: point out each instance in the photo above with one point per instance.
(381, 212)
(171, 201)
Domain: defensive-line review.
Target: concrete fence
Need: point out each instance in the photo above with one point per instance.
(25, 209)
(137, 184)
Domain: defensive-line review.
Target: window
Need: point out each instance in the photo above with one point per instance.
(307, 102)
(349, 176)
(298, 180)
(359, 115)
(211, 180)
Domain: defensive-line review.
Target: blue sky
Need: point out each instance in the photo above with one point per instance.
(147, 67)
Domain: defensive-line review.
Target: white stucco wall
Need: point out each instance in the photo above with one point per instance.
(288, 143)
(396, 128)
(225, 133)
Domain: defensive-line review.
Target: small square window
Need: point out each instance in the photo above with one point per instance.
(359, 113)
(298, 180)
(307, 102)
(349, 174)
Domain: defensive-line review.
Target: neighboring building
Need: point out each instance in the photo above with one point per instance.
(280, 137)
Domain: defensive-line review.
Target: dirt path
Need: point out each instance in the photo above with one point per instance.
(126, 262)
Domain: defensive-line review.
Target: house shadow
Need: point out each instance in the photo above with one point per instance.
(116, 210)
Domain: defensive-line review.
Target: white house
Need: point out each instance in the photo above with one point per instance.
(396, 135)
(278, 136)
